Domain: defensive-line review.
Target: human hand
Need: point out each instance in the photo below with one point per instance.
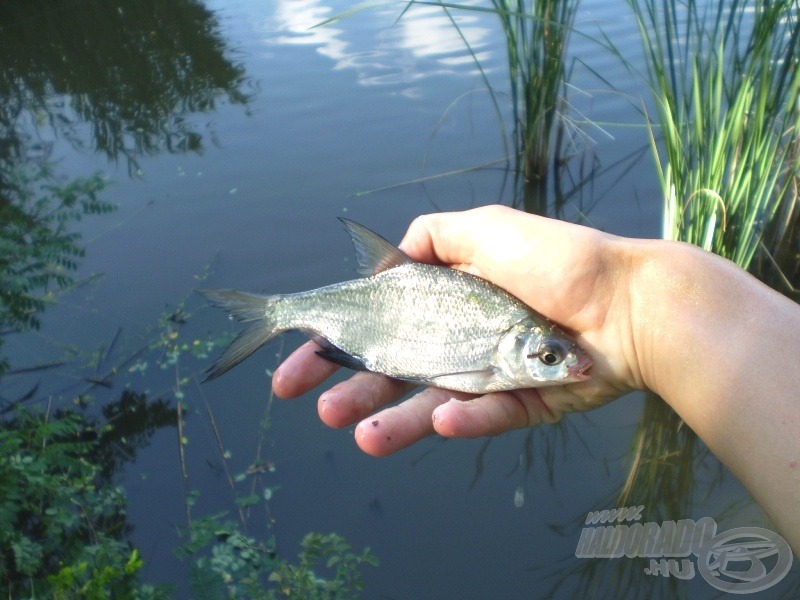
(576, 276)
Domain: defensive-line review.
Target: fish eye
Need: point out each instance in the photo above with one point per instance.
(551, 353)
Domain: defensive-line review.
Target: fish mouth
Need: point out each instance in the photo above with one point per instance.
(579, 371)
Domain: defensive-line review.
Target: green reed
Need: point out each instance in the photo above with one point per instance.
(726, 84)
(779, 264)
(536, 36)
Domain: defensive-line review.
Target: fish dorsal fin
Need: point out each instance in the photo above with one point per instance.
(373, 253)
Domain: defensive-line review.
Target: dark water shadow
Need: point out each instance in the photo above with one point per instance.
(118, 78)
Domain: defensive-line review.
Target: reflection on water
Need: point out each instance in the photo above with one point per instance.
(122, 80)
(423, 33)
(130, 71)
(297, 22)
(428, 32)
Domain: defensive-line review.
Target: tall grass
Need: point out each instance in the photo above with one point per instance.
(779, 264)
(726, 85)
(536, 34)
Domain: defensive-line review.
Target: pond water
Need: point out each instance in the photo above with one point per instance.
(232, 135)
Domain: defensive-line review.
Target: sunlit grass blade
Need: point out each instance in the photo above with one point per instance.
(350, 12)
(725, 97)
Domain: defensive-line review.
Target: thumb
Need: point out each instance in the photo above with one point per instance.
(450, 238)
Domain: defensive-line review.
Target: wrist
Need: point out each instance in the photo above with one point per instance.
(675, 300)
(722, 349)
(696, 331)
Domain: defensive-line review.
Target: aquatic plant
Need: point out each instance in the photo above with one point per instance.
(778, 265)
(543, 137)
(63, 526)
(726, 85)
(536, 36)
(227, 563)
(62, 516)
(224, 559)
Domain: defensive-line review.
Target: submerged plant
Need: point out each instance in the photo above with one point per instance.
(536, 35)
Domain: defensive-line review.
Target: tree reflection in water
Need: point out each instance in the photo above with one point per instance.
(122, 79)
(118, 78)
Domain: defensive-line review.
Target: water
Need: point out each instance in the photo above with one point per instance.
(273, 129)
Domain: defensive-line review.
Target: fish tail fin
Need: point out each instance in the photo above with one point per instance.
(245, 307)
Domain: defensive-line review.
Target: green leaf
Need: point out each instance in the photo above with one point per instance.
(250, 500)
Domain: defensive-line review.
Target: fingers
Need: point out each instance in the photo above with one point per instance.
(400, 426)
(450, 414)
(446, 237)
(491, 414)
(359, 397)
(493, 242)
(451, 237)
(302, 371)
(433, 410)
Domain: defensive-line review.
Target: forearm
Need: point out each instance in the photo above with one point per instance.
(724, 351)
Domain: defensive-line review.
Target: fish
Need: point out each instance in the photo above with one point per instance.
(417, 322)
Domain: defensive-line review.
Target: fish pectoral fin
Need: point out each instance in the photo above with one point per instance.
(338, 356)
(373, 252)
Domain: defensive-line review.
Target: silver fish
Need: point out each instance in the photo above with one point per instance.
(417, 322)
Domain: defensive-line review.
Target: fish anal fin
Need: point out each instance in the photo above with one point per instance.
(374, 253)
(338, 356)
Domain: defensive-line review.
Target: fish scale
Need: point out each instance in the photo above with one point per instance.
(393, 320)
(413, 321)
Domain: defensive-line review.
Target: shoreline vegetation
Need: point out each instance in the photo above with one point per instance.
(725, 82)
